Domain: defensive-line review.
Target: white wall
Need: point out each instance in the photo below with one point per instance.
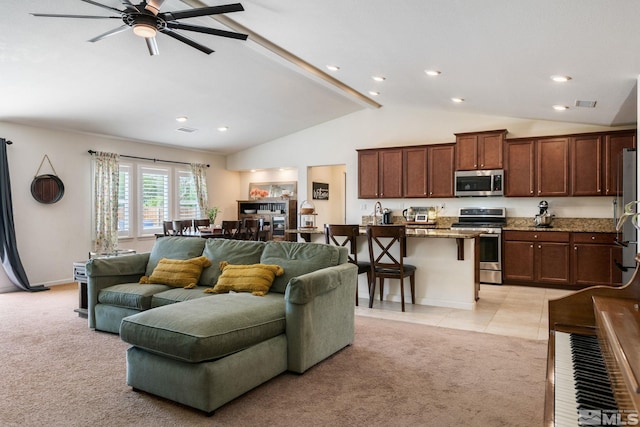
(51, 237)
(335, 142)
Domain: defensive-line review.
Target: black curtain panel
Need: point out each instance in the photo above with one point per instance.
(8, 247)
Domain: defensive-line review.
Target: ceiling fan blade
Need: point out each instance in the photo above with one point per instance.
(110, 33)
(203, 11)
(187, 40)
(101, 5)
(205, 30)
(152, 45)
(55, 15)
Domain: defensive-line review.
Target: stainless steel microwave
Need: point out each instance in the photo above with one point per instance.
(479, 183)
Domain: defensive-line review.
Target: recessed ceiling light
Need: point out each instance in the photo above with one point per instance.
(560, 79)
(223, 128)
(333, 67)
(182, 119)
(457, 100)
(560, 107)
(374, 93)
(432, 72)
(379, 78)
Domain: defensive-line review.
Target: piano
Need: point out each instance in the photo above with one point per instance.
(593, 361)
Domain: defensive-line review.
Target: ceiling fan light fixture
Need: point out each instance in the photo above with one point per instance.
(144, 30)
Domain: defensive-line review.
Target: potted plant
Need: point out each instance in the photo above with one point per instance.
(212, 213)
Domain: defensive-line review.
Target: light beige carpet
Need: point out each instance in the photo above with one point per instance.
(54, 371)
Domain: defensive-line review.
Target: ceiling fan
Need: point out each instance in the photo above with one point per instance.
(146, 20)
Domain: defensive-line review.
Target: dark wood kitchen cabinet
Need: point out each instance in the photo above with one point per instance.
(536, 257)
(595, 162)
(552, 167)
(415, 177)
(428, 170)
(480, 150)
(614, 143)
(520, 168)
(368, 174)
(537, 167)
(586, 165)
(593, 259)
(380, 173)
(441, 169)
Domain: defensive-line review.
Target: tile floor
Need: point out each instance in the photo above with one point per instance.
(518, 311)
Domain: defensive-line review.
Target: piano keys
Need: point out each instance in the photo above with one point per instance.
(593, 363)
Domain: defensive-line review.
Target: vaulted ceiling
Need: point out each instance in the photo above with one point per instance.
(497, 55)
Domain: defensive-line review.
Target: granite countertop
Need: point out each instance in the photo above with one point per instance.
(411, 232)
(584, 225)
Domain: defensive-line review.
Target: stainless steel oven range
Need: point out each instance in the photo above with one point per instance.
(490, 222)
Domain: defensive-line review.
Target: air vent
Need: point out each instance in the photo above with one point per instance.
(585, 104)
(187, 130)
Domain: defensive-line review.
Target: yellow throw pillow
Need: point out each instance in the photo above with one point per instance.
(254, 278)
(180, 273)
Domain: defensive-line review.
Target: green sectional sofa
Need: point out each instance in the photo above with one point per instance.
(203, 349)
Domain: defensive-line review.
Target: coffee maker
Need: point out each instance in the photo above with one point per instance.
(543, 218)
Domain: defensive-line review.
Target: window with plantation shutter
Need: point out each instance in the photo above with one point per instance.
(154, 199)
(124, 201)
(188, 200)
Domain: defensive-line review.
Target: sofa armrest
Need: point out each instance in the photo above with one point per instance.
(320, 314)
(105, 272)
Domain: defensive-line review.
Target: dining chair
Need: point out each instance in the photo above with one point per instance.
(387, 250)
(264, 230)
(181, 226)
(167, 228)
(198, 224)
(250, 229)
(230, 229)
(345, 235)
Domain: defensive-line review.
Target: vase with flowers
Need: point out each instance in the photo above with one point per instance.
(257, 193)
(212, 213)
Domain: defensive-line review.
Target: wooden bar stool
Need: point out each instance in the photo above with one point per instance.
(345, 235)
(384, 241)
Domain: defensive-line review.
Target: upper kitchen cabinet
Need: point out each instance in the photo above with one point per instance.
(552, 167)
(537, 167)
(595, 162)
(428, 170)
(415, 171)
(614, 143)
(380, 173)
(440, 170)
(586, 165)
(520, 168)
(480, 150)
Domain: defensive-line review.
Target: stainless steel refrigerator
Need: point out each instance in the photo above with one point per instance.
(628, 236)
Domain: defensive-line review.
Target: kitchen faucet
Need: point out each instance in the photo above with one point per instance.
(377, 210)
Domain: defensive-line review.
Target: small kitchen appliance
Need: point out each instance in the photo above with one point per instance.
(422, 214)
(386, 216)
(544, 217)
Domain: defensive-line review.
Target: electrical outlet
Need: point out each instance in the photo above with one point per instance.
(363, 207)
(442, 205)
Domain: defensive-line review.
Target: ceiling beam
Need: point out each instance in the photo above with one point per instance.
(288, 56)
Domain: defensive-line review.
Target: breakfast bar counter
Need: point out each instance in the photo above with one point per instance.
(447, 265)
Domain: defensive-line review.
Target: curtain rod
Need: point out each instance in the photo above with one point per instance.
(148, 158)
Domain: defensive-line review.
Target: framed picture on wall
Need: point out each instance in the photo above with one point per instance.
(258, 190)
(320, 191)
